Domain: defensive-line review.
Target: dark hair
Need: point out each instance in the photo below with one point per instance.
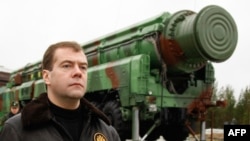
(48, 57)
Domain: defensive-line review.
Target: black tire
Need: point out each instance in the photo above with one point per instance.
(174, 128)
(112, 110)
(175, 133)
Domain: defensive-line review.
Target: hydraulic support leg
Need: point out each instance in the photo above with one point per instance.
(156, 124)
(203, 131)
(135, 124)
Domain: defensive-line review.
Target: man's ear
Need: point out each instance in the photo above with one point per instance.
(46, 76)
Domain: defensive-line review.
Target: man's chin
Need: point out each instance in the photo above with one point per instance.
(76, 95)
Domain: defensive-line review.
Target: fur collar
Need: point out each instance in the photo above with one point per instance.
(37, 113)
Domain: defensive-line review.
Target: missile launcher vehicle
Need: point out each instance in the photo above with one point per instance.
(153, 78)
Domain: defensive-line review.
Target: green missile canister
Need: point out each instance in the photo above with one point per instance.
(184, 41)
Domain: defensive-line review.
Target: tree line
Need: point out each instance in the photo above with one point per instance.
(236, 111)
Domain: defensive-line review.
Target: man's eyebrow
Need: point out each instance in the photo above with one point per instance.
(69, 61)
(66, 61)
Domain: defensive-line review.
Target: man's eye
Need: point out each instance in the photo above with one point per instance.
(84, 67)
(66, 66)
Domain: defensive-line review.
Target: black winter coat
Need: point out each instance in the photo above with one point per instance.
(37, 123)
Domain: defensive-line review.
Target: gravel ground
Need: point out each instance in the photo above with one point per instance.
(218, 135)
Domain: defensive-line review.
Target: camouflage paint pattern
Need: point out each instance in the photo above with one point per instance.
(164, 61)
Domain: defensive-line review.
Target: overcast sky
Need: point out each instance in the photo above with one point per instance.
(28, 27)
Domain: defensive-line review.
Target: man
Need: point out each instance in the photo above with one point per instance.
(61, 114)
(14, 109)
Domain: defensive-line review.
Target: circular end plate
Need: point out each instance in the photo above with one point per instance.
(216, 33)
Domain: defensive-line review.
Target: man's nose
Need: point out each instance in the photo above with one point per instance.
(77, 71)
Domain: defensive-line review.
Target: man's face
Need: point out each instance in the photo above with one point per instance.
(14, 110)
(68, 78)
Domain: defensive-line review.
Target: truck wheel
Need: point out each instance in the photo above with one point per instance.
(112, 110)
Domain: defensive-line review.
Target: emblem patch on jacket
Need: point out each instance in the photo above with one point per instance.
(99, 137)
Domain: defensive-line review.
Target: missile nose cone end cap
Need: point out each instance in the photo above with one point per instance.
(216, 33)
